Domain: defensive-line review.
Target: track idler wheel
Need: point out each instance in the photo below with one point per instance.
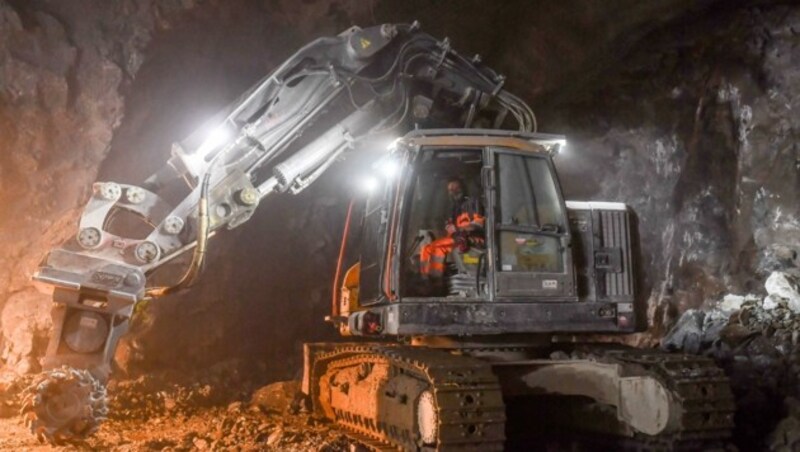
(64, 405)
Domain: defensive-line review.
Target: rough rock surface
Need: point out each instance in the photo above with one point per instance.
(207, 410)
(758, 345)
(695, 129)
(687, 334)
(277, 397)
(63, 70)
(782, 286)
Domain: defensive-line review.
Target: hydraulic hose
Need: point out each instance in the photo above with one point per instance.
(199, 254)
(335, 301)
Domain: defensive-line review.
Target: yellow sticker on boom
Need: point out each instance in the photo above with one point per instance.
(365, 43)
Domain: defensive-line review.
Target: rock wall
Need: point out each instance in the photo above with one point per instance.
(696, 129)
(680, 108)
(63, 68)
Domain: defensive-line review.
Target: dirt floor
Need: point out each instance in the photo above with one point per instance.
(214, 411)
(208, 429)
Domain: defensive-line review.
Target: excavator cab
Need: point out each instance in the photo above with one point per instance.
(459, 254)
(543, 264)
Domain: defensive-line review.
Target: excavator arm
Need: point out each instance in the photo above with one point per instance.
(278, 137)
(322, 103)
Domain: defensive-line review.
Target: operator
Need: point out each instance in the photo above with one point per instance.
(464, 229)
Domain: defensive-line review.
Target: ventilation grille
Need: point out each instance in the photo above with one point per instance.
(616, 235)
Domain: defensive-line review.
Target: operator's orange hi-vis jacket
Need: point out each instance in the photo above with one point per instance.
(467, 218)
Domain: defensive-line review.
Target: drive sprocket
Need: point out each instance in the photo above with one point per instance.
(64, 405)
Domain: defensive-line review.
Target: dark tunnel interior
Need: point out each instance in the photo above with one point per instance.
(686, 111)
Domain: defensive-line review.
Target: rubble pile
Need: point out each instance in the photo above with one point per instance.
(147, 397)
(757, 341)
(11, 386)
(237, 427)
(196, 416)
(172, 393)
(216, 409)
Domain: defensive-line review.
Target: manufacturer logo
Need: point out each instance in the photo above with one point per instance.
(106, 279)
(550, 284)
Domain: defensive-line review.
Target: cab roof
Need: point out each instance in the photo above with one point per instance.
(524, 141)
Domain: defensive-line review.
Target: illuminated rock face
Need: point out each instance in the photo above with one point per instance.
(698, 135)
(62, 71)
(691, 124)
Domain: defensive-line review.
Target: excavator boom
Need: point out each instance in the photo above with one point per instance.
(278, 137)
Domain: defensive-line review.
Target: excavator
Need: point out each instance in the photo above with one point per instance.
(513, 320)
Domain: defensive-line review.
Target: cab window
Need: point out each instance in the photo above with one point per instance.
(531, 218)
(528, 194)
(430, 208)
(373, 231)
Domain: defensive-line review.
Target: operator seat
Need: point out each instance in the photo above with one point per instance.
(468, 278)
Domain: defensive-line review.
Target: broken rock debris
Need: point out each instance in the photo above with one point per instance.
(757, 342)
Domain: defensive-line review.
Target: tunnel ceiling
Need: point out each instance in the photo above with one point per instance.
(679, 108)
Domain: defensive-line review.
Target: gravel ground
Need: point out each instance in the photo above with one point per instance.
(207, 429)
(215, 411)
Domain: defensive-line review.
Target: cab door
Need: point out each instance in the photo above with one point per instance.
(373, 237)
(533, 259)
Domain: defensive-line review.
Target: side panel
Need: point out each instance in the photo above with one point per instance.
(613, 257)
(603, 251)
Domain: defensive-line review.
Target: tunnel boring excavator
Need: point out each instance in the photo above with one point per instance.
(431, 363)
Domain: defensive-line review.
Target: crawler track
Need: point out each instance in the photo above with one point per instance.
(373, 391)
(469, 409)
(704, 393)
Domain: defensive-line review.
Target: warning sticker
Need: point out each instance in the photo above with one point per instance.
(471, 260)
